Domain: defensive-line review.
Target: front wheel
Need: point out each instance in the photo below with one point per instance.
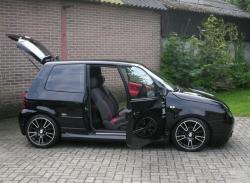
(191, 135)
(42, 131)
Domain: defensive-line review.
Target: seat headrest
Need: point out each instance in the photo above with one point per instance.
(95, 71)
(96, 82)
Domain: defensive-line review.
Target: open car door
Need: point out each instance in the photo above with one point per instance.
(147, 117)
(32, 47)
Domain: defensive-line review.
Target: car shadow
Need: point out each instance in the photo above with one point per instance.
(89, 144)
(106, 145)
(122, 145)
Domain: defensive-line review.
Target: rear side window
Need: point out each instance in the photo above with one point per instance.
(66, 78)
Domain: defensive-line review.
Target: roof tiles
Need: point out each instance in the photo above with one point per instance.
(150, 4)
(219, 7)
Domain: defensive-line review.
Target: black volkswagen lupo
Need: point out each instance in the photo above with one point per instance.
(111, 100)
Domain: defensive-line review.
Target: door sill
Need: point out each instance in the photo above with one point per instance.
(96, 136)
(110, 132)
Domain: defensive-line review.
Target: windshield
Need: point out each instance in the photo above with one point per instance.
(169, 86)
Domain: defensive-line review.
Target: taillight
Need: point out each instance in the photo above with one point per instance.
(24, 99)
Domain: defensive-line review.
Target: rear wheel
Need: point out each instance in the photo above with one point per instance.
(42, 131)
(190, 135)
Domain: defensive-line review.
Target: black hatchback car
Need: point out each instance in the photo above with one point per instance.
(111, 100)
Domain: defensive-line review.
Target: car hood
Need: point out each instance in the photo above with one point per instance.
(197, 96)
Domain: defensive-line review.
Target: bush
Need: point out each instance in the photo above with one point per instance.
(179, 59)
(206, 61)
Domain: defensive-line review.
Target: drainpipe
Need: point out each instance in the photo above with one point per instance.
(63, 33)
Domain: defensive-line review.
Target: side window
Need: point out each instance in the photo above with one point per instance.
(140, 84)
(66, 78)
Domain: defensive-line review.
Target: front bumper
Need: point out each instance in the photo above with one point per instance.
(225, 132)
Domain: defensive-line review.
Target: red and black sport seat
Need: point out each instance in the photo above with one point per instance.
(106, 104)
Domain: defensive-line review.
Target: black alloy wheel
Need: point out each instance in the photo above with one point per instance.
(191, 135)
(42, 131)
(146, 127)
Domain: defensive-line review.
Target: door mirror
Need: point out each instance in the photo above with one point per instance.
(162, 92)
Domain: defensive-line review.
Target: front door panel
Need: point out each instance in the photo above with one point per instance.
(147, 119)
(146, 122)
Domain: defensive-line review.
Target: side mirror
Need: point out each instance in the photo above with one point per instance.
(162, 92)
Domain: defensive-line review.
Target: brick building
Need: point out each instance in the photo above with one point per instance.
(74, 29)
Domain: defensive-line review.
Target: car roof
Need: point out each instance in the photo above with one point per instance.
(94, 62)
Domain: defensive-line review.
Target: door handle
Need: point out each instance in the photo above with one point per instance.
(136, 113)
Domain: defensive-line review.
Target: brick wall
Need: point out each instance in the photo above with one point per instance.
(113, 33)
(39, 19)
(93, 31)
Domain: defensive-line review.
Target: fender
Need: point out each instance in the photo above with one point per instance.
(176, 115)
(26, 114)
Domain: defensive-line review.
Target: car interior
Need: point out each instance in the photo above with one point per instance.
(106, 114)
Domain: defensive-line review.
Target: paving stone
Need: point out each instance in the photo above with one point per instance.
(74, 161)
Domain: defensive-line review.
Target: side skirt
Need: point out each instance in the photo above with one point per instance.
(95, 136)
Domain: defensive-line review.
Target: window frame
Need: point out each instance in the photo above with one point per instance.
(88, 90)
(114, 66)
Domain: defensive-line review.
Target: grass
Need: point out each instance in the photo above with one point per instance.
(237, 100)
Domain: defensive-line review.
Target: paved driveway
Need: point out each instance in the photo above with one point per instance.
(114, 162)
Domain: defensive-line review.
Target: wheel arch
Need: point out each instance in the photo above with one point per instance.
(54, 126)
(40, 112)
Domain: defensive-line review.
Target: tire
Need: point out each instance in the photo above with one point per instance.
(190, 135)
(156, 128)
(149, 125)
(42, 131)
